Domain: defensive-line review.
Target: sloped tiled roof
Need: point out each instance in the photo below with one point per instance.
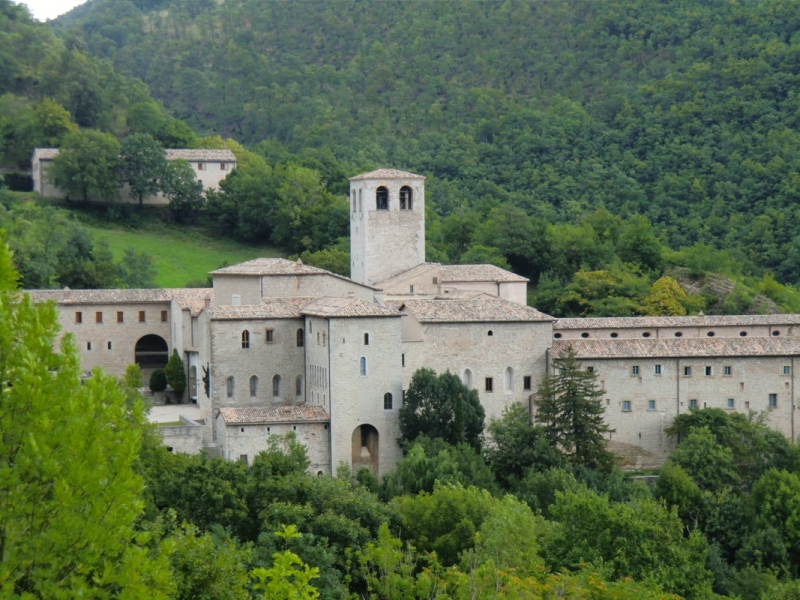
(192, 299)
(681, 347)
(387, 174)
(269, 266)
(196, 155)
(67, 296)
(280, 414)
(270, 308)
(465, 310)
(458, 273)
(347, 307)
(653, 322)
(200, 155)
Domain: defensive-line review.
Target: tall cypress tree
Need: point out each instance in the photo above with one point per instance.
(568, 406)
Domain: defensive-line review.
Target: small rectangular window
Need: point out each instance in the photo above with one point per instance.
(726, 371)
(223, 166)
(731, 403)
(526, 382)
(692, 404)
(141, 316)
(590, 369)
(243, 458)
(403, 360)
(88, 345)
(412, 289)
(787, 370)
(635, 370)
(708, 371)
(687, 371)
(773, 400)
(98, 317)
(270, 336)
(200, 166)
(657, 369)
(236, 300)
(164, 316)
(626, 406)
(120, 317)
(109, 345)
(366, 339)
(651, 405)
(435, 280)
(489, 384)
(79, 317)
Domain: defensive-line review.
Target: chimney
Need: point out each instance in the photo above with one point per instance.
(208, 303)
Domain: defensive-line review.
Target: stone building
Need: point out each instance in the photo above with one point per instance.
(278, 346)
(210, 166)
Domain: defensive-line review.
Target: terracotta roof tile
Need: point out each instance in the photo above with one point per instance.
(387, 174)
(200, 155)
(281, 414)
(480, 309)
(459, 273)
(666, 348)
(279, 266)
(347, 307)
(271, 308)
(698, 321)
(67, 296)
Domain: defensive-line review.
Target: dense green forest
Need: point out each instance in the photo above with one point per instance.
(605, 150)
(95, 506)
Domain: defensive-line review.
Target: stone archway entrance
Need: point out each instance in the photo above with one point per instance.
(365, 449)
(151, 353)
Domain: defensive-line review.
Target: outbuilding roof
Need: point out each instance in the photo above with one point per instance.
(465, 310)
(696, 321)
(680, 347)
(279, 266)
(270, 308)
(192, 299)
(463, 273)
(281, 414)
(200, 154)
(191, 154)
(387, 174)
(347, 307)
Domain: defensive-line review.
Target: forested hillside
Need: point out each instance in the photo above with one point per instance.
(683, 112)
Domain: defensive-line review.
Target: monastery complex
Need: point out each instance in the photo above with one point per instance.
(278, 346)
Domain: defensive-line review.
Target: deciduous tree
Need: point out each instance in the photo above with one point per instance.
(141, 165)
(87, 165)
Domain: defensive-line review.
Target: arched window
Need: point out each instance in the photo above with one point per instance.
(300, 338)
(276, 386)
(362, 366)
(245, 339)
(230, 387)
(509, 379)
(382, 198)
(366, 339)
(253, 386)
(298, 386)
(466, 378)
(405, 198)
(387, 401)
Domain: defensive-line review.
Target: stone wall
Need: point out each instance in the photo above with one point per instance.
(186, 439)
(358, 400)
(462, 347)
(245, 441)
(110, 344)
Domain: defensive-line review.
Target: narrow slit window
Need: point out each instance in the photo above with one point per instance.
(270, 333)
(229, 387)
(489, 384)
(362, 366)
(298, 386)
(300, 338)
(253, 386)
(366, 339)
(245, 339)
(276, 386)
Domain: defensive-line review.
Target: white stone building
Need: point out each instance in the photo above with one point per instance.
(210, 167)
(278, 346)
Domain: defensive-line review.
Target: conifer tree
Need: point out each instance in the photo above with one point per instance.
(176, 375)
(568, 406)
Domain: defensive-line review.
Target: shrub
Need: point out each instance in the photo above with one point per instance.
(158, 381)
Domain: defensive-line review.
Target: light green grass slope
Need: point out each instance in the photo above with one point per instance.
(180, 256)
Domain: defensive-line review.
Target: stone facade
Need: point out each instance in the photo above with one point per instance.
(210, 167)
(286, 347)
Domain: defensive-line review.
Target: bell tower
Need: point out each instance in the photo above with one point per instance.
(387, 224)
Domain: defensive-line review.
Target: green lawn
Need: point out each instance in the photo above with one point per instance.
(180, 256)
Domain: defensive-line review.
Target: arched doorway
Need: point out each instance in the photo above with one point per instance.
(151, 353)
(365, 448)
